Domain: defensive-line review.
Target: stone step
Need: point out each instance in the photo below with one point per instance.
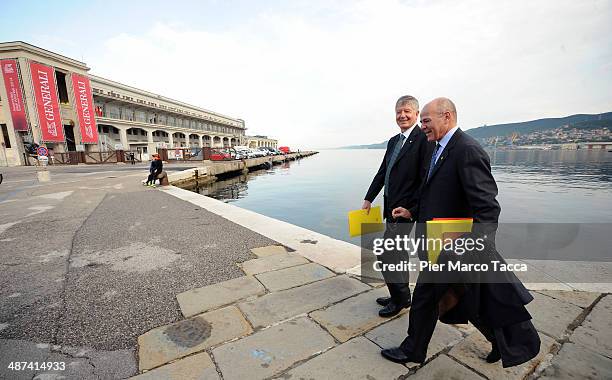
(268, 250)
(356, 359)
(391, 334)
(199, 300)
(272, 350)
(353, 316)
(295, 276)
(275, 307)
(273, 262)
(473, 350)
(196, 367)
(170, 342)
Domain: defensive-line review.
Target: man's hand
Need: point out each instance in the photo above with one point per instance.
(400, 212)
(366, 206)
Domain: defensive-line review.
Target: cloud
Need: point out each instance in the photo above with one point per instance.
(320, 75)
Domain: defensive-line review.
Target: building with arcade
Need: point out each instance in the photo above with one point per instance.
(52, 100)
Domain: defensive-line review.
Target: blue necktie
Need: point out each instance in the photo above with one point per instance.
(432, 163)
(396, 150)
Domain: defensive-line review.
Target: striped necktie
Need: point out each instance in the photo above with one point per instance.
(396, 150)
(432, 163)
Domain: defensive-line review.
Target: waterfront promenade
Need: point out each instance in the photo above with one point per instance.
(116, 279)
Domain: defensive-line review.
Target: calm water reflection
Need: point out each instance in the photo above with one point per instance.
(318, 191)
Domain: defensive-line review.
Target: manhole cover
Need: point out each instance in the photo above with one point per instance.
(189, 333)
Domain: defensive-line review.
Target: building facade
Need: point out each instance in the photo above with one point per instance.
(258, 141)
(51, 100)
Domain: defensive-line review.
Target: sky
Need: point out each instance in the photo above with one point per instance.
(323, 74)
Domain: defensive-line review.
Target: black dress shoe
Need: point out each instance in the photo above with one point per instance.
(383, 301)
(494, 355)
(398, 355)
(392, 309)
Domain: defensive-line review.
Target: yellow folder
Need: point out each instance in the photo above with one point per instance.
(445, 228)
(357, 218)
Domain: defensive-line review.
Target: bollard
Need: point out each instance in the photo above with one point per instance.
(163, 178)
(43, 176)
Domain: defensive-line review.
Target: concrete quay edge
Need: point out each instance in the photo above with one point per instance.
(337, 255)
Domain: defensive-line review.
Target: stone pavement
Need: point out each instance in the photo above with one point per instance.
(96, 275)
(91, 260)
(289, 318)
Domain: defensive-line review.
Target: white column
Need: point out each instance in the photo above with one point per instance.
(201, 141)
(124, 139)
(151, 148)
(170, 140)
(187, 142)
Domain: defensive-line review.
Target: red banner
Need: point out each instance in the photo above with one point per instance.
(84, 106)
(47, 103)
(14, 94)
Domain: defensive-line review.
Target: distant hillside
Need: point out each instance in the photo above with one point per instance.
(579, 121)
(382, 145)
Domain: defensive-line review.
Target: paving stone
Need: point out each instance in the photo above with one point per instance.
(196, 367)
(596, 330)
(353, 316)
(576, 362)
(196, 301)
(167, 343)
(552, 316)
(275, 307)
(582, 299)
(466, 329)
(444, 367)
(269, 250)
(295, 276)
(356, 359)
(272, 350)
(274, 262)
(392, 333)
(472, 352)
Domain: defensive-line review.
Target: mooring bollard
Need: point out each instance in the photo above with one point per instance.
(163, 178)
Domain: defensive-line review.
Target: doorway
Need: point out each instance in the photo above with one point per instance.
(69, 133)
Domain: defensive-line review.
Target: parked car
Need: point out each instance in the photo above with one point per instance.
(285, 149)
(265, 151)
(220, 155)
(243, 152)
(258, 153)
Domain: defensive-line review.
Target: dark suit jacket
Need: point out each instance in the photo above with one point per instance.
(406, 174)
(461, 186)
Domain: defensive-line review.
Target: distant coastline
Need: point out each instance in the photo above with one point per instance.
(580, 131)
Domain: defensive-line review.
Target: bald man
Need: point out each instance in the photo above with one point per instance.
(459, 184)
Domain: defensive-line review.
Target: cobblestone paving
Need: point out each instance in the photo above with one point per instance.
(309, 323)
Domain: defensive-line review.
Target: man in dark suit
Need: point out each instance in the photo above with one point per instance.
(459, 184)
(401, 173)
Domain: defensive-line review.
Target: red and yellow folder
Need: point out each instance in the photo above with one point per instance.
(445, 228)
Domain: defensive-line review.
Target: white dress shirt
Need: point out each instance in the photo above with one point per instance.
(444, 141)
